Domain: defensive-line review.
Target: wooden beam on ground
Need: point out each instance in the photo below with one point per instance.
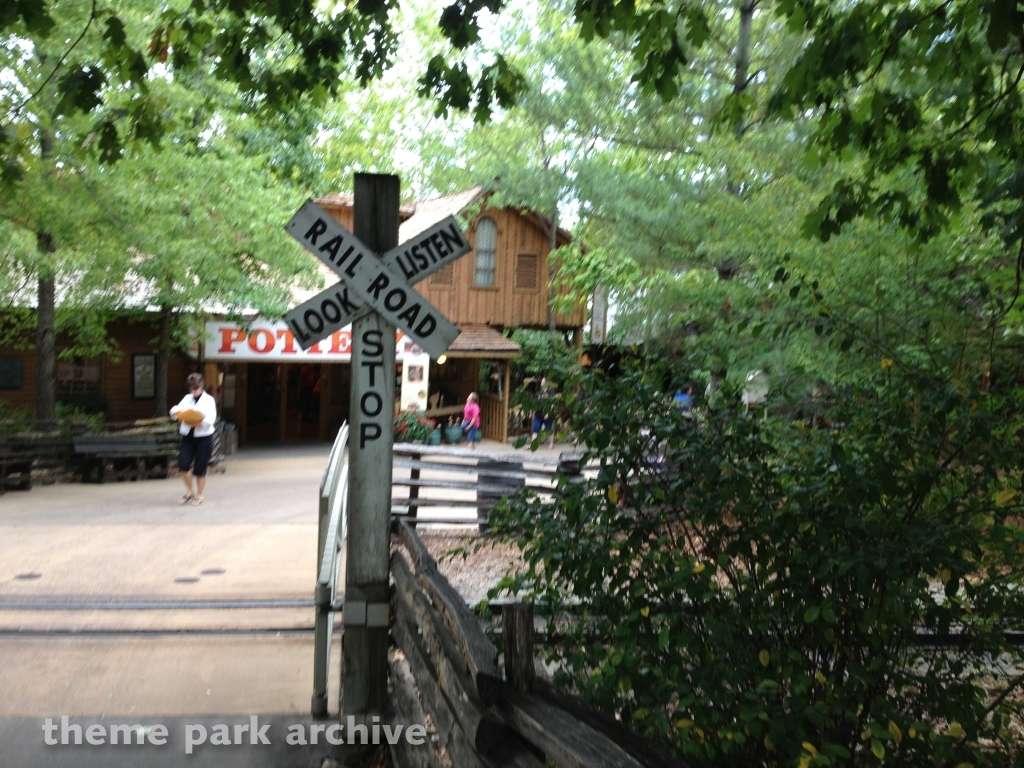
(649, 754)
(564, 739)
(445, 721)
(478, 652)
(404, 754)
(483, 730)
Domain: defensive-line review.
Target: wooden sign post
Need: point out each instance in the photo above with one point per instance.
(375, 296)
(364, 671)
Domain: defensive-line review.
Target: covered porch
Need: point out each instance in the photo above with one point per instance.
(478, 361)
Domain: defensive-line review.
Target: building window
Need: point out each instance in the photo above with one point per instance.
(486, 234)
(81, 374)
(526, 272)
(143, 377)
(10, 373)
(444, 276)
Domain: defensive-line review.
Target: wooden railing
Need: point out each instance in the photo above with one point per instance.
(333, 525)
(459, 485)
(493, 418)
(482, 716)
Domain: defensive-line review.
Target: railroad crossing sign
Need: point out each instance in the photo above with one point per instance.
(382, 282)
(375, 295)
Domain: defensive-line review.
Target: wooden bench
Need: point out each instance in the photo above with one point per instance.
(15, 464)
(24, 456)
(135, 456)
(451, 482)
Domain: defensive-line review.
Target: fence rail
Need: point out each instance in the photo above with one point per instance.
(484, 717)
(333, 521)
(459, 485)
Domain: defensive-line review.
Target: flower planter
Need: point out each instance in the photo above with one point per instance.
(435, 437)
(452, 435)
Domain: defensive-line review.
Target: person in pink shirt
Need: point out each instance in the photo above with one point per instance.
(471, 419)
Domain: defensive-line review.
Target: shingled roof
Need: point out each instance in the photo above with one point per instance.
(430, 212)
(482, 341)
(336, 200)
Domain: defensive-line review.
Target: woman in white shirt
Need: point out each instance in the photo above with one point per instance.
(197, 441)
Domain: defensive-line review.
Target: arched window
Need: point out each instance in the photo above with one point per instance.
(486, 235)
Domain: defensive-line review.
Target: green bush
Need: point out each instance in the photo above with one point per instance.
(70, 412)
(14, 419)
(82, 404)
(752, 592)
(410, 427)
(11, 412)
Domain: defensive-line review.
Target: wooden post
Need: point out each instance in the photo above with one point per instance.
(508, 399)
(325, 401)
(242, 402)
(517, 629)
(371, 411)
(282, 418)
(414, 491)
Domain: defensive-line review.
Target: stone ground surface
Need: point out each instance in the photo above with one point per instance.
(254, 538)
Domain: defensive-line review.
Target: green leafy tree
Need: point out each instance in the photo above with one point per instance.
(88, 83)
(87, 86)
(835, 590)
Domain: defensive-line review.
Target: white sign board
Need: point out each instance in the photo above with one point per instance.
(415, 378)
(264, 341)
(370, 280)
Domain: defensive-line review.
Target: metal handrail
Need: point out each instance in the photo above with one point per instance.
(333, 524)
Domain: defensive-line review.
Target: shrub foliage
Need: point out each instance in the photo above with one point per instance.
(780, 591)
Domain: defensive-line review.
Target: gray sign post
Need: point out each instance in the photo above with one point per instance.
(375, 295)
(364, 659)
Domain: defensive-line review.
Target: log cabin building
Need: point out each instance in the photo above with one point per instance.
(273, 391)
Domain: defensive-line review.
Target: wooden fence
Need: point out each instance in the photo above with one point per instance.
(482, 716)
(435, 484)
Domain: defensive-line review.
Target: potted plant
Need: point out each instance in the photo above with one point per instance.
(435, 434)
(453, 432)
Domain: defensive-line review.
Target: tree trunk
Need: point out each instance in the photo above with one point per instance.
(742, 73)
(163, 358)
(46, 353)
(728, 267)
(46, 318)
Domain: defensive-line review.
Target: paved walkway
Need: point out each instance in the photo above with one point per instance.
(254, 538)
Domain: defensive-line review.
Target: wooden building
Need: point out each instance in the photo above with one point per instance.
(275, 392)
(120, 384)
(502, 284)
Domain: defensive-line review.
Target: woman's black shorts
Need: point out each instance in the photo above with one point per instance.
(197, 449)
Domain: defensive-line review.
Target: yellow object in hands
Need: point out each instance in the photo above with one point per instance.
(191, 417)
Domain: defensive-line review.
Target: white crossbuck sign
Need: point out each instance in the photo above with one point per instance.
(373, 282)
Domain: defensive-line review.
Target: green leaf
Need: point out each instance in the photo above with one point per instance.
(811, 614)
(109, 143)
(79, 90)
(877, 749)
(115, 34)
